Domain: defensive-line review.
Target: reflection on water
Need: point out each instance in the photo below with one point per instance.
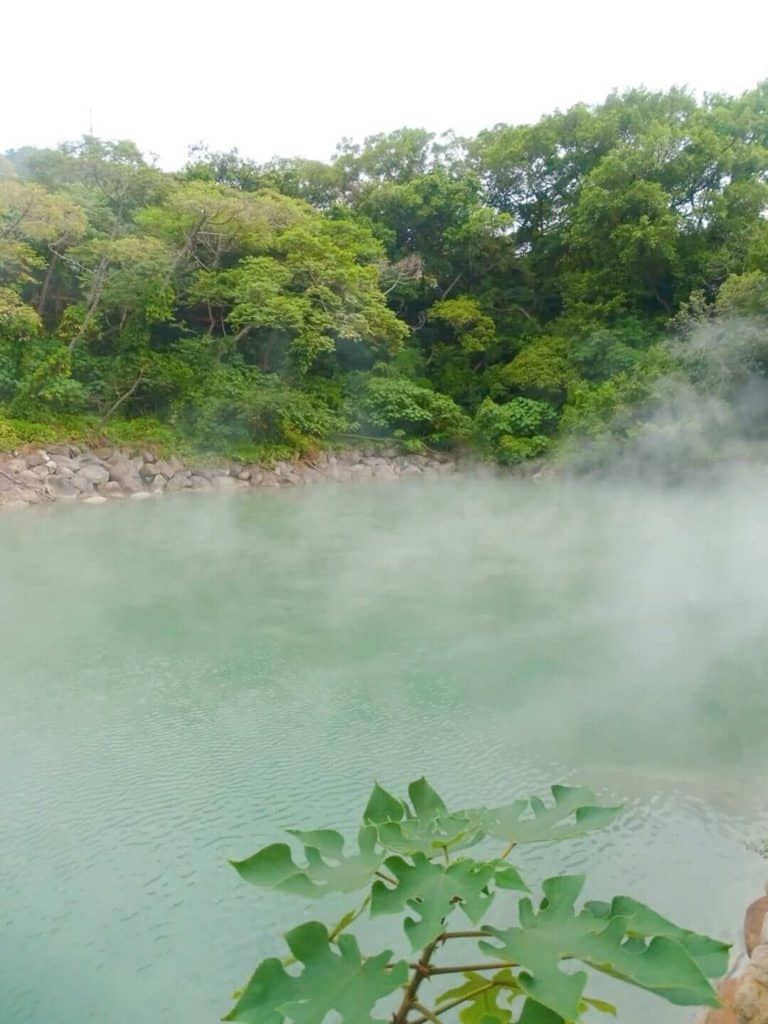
(182, 680)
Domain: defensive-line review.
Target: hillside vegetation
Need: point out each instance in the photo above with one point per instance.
(505, 292)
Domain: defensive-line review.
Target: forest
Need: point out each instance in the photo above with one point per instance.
(507, 293)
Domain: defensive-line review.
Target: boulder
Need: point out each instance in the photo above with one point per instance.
(30, 479)
(179, 481)
(140, 495)
(123, 473)
(60, 488)
(15, 466)
(95, 499)
(82, 484)
(111, 489)
(36, 458)
(94, 472)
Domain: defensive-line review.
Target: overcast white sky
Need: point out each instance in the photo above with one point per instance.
(292, 78)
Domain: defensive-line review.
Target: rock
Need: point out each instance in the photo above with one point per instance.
(166, 469)
(36, 458)
(244, 474)
(95, 499)
(149, 456)
(199, 483)
(755, 921)
(29, 478)
(411, 471)
(60, 488)
(159, 483)
(147, 471)
(225, 483)
(65, 462)
(125, 474)
(751, 998)
(15, 466)
(179, 481)
(94, 472)
(140, 495)
(111, 488)
(82, 484)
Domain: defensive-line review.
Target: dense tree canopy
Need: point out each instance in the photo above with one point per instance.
(502, 291)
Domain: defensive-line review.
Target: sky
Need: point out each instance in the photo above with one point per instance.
(293, 77)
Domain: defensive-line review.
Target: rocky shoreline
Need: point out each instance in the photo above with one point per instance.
(68, 472)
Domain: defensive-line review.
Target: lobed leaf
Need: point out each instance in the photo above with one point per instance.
(432, 891)
(327, 869)
(342, 981)
(574, 813)
(483, 995)
(604, 940)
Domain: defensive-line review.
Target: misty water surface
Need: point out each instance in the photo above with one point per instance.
(183, 678)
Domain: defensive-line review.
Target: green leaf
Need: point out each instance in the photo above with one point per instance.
(598, 1004)
(327, 869)
(270, 986)
(428, 827)
(425, 827)
(433, 890)
(711, 955)
(382, 806)
(542, 940)
(535, 1013)
(343, 982)
(482, 995)
(531, 821)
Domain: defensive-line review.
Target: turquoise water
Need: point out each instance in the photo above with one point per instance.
(181, 679)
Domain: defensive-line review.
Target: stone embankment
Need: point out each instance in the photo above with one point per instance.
(72, 473)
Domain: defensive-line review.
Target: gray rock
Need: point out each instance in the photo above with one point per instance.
(15, 466)
(166, 468)
(125, 474)
(95, 472)
(82, 483)
(200, 483)
(95, 499)
(179, 481)
(65, 462)
(159, 483)
(30, 479)
(36, 458)
(225, 483)
(60, 488)
(140, 495)
(147, 471)
(111, 489)
(244, 474)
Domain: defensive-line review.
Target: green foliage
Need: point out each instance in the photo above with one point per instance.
(514, 431)
(405, 281)
(404, 864)
(398, 407)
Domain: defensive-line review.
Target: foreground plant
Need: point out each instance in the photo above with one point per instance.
(409, 861)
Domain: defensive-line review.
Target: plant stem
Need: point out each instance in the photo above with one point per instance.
(464, 935)
(421, 970)
(340, 926)
(466, 968)
(346, 921)
(454, 1003)
(386, 877)
(427, 1014)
